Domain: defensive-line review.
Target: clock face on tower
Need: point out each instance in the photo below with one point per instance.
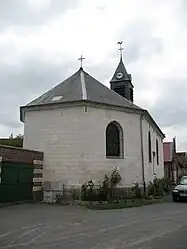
(119, 75)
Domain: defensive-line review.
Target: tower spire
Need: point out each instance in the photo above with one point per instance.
(120, 48)
(121, 81)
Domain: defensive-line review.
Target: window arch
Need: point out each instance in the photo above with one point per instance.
(114, 140)
(157, 152)
(149, 147)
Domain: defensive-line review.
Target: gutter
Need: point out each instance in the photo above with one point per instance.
(142, 155)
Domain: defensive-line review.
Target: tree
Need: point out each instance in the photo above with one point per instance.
(13, 141)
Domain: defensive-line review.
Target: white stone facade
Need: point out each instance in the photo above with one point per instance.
(74, 144)
(151, 168)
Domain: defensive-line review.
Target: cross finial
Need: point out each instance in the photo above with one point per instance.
(81, 59)
(120, 48)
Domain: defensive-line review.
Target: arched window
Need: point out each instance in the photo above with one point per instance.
(149, 147)
(114, 140)
(157, 152)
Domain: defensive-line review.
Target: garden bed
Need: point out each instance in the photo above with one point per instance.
(120, 205)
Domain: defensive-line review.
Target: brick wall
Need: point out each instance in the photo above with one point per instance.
(14, 154)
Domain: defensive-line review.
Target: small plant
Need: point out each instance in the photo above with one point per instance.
(107, 186)
(136, 190)
(75, 193)
(88, 193)
(156, 188)
(62, 199)
(115, 177)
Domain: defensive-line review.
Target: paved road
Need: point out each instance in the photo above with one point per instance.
(162, 226)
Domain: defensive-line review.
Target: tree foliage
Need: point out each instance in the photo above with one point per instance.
(16, 141)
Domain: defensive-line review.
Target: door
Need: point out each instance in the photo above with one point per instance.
(16, 182)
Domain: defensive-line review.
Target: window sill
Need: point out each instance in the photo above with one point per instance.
(114, 157)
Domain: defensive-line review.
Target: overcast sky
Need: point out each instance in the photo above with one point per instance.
(40, 41)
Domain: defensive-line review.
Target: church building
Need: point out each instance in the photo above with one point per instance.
(86, 129)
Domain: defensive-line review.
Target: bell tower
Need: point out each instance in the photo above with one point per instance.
(121, 81)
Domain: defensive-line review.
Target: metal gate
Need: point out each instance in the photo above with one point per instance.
(16, 182)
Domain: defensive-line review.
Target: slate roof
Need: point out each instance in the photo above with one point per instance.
(81, 86)
(121, 68)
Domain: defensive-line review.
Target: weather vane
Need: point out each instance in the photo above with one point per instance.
(120, 48)
(81, 59)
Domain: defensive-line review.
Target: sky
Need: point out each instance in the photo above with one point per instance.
(41, 41)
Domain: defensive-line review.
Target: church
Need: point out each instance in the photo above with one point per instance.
(86, 129)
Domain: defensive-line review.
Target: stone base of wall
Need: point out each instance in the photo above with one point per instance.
(38, 196)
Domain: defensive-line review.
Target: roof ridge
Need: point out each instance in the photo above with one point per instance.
(83, 85)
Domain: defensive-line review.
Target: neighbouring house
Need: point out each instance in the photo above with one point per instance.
(175, 163)
(169, 160)
(85, 129)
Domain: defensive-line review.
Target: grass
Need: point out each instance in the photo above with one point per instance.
(120, 205)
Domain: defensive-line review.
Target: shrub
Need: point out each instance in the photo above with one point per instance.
(157, 188)
(88, 193)
(64, 199)
(115, 177)
(107, 187)
(75, 193)
(136, 191)
(166, 184)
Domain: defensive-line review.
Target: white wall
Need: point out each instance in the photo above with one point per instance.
(150, 167)
(73, 142)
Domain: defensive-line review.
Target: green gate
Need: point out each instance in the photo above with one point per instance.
(16, 182)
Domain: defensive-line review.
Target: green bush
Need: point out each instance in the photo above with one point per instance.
(137, 191)
(159, 187)
(106, 190)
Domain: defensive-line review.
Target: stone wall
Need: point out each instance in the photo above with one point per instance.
(152, 167)
(74, 143)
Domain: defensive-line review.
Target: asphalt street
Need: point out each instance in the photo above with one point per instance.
(42, 226)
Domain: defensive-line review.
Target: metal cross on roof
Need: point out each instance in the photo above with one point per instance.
(81, 59)
(120, 48)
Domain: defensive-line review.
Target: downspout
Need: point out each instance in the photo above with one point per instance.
(142, 155)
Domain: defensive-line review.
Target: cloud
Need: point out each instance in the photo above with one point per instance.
(31, 12)
(23, 83)
(170, 107)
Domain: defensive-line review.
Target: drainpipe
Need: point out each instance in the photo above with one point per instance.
(142, 155)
